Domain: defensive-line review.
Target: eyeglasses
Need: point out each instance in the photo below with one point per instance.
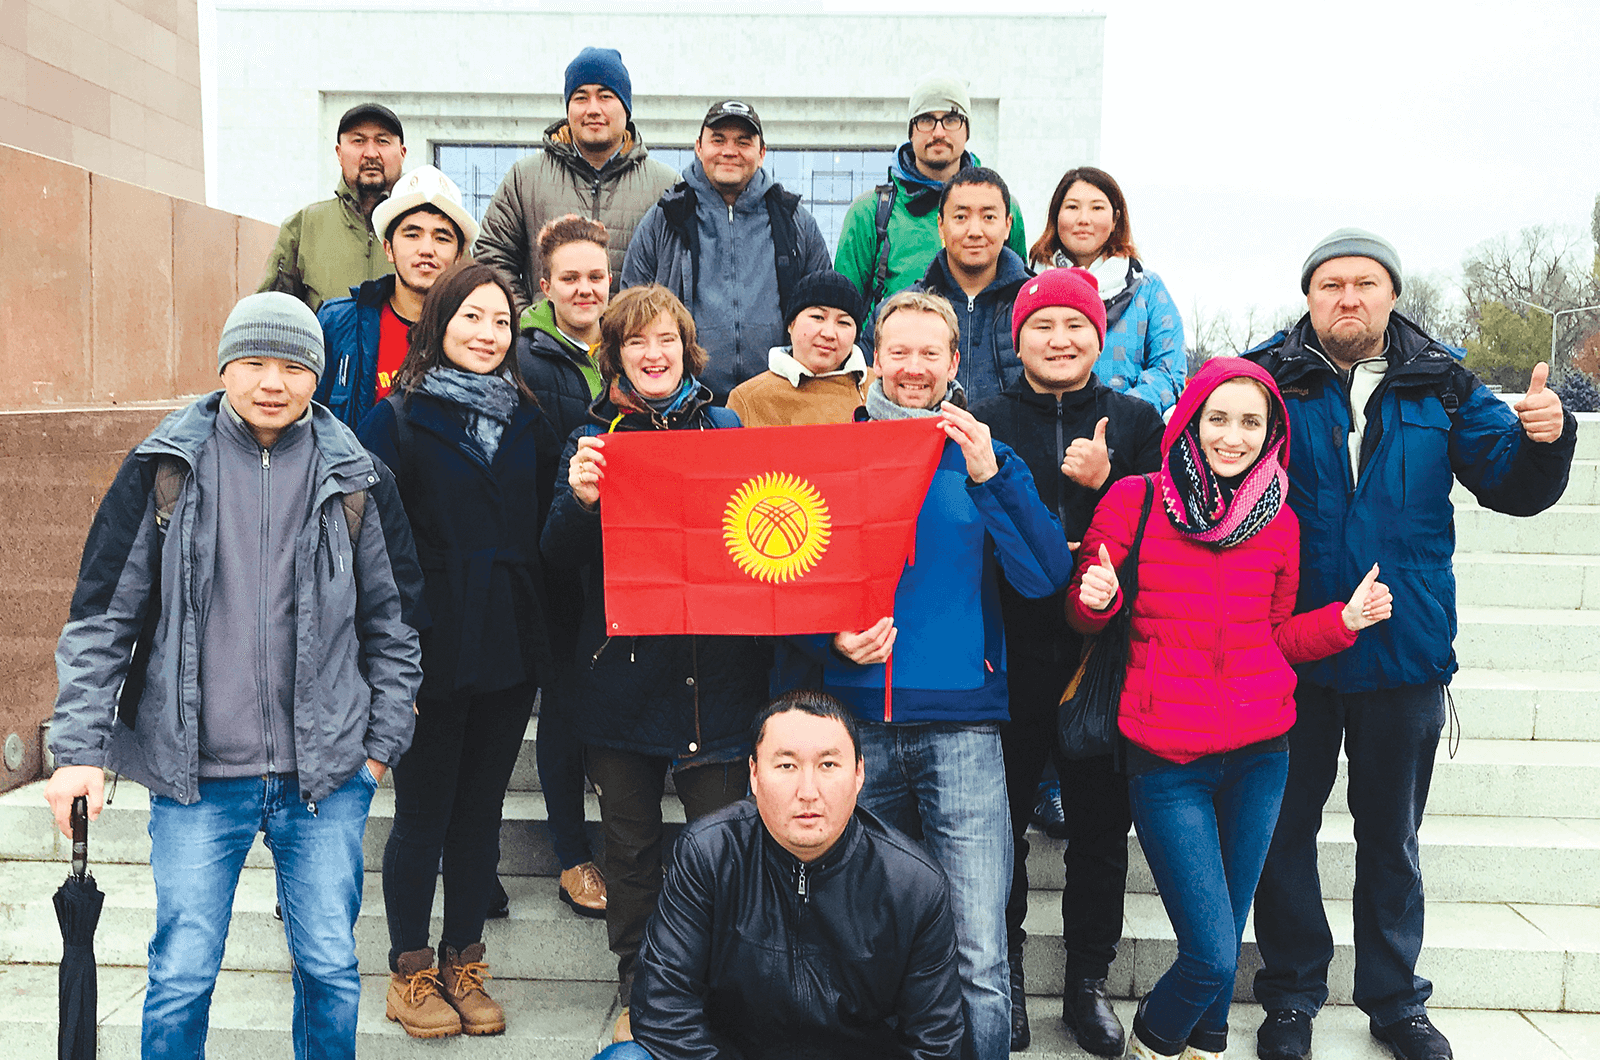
(952, 121)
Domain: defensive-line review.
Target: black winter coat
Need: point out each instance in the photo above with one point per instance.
(674, 696)
(1039, 429)
(751, 954)
(477, 532)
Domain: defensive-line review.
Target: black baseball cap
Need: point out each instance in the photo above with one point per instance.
(733, 110)
(371, 112)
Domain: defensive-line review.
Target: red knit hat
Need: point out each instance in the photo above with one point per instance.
(1074, 288)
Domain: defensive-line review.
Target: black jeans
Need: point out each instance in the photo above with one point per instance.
(559, 757)
(631, 787)
(1389, 738)
(1094, 797)
(448, 792)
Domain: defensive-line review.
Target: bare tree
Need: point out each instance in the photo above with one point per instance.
(1545, 264)
(1428, 302)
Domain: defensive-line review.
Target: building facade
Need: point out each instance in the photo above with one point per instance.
(477, 88)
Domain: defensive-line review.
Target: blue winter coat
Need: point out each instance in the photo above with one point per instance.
(1143, 351)
(1430, 419)
(730, 267)
(477, 528)
(949, 662)
(989, 362)
(349, 379)
(689, 698)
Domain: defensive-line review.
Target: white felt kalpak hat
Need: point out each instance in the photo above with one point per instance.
(425, 186)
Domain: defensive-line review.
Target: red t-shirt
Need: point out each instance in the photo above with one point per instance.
(394, 338)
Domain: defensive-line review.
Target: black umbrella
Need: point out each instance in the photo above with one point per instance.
(78, 903)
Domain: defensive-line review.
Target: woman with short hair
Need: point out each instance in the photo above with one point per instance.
(822, 375)
(659, 703)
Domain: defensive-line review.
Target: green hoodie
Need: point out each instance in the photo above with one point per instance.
(542, 317)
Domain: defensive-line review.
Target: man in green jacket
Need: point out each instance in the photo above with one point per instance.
(594, 163)
(891, 233)
(329, 247)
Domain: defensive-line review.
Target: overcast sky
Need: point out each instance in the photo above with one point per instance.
(1243, 132)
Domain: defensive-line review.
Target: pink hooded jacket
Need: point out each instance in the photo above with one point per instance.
(1213, 630)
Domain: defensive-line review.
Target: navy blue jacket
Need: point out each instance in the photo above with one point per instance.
(989, 361)
(477, 529)
(1428, 421)
(350, 333)
(673, 696)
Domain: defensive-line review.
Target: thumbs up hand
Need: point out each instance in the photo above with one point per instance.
(1540, 409)
(1100, 584)
(1087, 461)
(1370, 604)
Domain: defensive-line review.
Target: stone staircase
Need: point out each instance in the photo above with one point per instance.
(1511, 853)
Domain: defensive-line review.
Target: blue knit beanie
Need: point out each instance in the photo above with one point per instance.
(600, 66)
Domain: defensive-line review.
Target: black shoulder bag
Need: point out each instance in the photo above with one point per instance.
(1086, 722)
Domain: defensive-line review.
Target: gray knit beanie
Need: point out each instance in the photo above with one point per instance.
(1352, 243)
(272, 324)
(940, 93)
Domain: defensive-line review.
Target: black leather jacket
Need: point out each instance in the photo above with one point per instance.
(752, 954)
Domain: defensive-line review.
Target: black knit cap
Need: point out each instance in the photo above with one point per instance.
(826, 288)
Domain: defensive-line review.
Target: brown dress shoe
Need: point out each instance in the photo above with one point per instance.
(414, 1000)
(461, 976)
(584, 889)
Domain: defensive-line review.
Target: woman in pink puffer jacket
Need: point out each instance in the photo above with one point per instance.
(1209, 694)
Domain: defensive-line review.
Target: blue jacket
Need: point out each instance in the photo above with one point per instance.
(949, 662)
(1143, 351)
(733, 266)
(350, 334)
(1429, 420)
(356, 656)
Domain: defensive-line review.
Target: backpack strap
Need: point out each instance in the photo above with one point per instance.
(880, 273)
(170, 473)
(781, 206)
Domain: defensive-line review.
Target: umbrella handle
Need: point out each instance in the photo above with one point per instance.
(80, 836)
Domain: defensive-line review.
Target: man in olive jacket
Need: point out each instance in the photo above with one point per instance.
(236, 644)
(329, 247)
(594, 163)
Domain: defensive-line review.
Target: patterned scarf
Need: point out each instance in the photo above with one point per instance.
(1223, 512)
(487, 401)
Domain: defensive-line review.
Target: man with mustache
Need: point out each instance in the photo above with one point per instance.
(328, 247)
(891, 233)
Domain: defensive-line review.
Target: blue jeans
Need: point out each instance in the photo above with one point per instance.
(623, 1051)
(1390, 738)
(945, 783)
(1205, 828)
(196, 853)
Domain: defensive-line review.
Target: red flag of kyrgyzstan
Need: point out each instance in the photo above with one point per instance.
(768, 530)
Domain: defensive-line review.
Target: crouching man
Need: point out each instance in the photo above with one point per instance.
(235, 644)
(798, 924)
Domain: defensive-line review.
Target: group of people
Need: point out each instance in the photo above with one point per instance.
(381, 539)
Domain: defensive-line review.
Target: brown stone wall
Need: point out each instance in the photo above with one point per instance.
(112, 293)
(54, 468)
(112, 299)
(110, 85)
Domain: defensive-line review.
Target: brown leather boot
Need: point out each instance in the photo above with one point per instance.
(461, 976)
(414, 1000)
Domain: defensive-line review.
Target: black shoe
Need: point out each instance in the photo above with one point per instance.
(1088, 1015)
(1414, 1038)
(499, 902)
(1020, 1036)
(1048, 816)
(1285, 1034)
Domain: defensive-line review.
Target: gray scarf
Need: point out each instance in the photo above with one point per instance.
(879, 407)
(487, 401)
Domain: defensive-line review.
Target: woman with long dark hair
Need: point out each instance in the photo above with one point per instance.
(472, 453)
(651, 704)
(1087, 225)
(1208, 696)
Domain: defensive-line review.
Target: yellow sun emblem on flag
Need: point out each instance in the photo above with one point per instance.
(776, 527)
